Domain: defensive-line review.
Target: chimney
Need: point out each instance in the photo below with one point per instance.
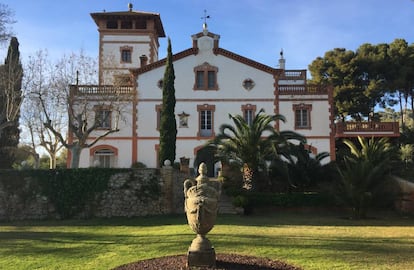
(282, 61)
(144, 60)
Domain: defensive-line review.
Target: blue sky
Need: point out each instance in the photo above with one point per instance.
(257, 29)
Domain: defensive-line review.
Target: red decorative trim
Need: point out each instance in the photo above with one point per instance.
(198, 148)
(206, 107)
(276, 99)
(212, 100)
(162, 62)
(306, 107)
(126, 48)
(311, 148)
(249, 107)
(158, 109)
(246, 61)
(103, 146)
(205, 68)
(134, 157)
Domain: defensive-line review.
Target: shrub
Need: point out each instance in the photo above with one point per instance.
(138, 165)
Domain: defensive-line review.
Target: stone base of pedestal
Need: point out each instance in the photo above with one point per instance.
(205, 258)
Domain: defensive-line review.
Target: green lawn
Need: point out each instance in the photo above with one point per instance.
(309, 241)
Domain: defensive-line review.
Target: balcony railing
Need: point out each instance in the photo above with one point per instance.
(293, 75)
(303, 89)
(367, 129)
(101, 90)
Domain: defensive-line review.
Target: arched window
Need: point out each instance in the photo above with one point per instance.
(104, 156)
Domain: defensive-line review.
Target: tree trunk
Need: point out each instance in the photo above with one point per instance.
(248, 174)
(52, 161)
(75, 157)
(401, 109)
(36, 158)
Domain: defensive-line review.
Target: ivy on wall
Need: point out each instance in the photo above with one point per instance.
(70, 190)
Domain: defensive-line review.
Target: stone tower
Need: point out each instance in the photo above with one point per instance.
(127, 39)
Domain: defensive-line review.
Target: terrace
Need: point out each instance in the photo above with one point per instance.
(367, 129)
(303, 89)
(101, 90)
(293, 75)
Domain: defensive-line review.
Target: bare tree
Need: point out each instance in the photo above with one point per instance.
(37, 80)
(6, 20)
(89, 111)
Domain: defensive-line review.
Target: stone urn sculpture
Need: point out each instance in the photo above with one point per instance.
(201, 206)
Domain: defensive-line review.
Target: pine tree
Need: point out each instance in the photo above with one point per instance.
(10, 99)
(168, 124)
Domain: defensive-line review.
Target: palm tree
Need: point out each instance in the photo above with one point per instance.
(305, 169)
(364, 171)
(250, 146)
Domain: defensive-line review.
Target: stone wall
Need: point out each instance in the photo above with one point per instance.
(128, 194)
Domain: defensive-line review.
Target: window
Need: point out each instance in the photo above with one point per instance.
(248, 112)
(206, 120)
(126, 54)
(200, 79)
(248, 84)
(302, 116)
(206, 128)
(126, 25)
(205, 77)
(103, 118)
(141, 24)
(211, 75)
(111, 24)
(103, 158)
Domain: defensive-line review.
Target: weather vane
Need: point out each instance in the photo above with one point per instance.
(205, 17)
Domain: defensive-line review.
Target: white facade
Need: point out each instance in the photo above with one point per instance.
(233, 84)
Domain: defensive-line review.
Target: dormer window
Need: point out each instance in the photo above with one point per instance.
(205, 77)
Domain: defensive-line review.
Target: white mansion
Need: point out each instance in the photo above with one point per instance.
(211, 83)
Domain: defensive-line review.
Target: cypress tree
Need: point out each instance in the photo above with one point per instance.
(10, 100)
(168, 124)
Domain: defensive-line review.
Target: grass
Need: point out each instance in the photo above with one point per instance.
(310, 241)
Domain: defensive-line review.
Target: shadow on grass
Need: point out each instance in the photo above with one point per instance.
(284, 218)
(373, 251)
(274, 218)
(33, 243)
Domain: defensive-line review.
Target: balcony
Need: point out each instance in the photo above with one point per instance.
(367, 129)
(293, 75)
(303, 89)
(78, 90)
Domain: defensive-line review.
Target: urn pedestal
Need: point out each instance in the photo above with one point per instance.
(201, 253)
(201, 206)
